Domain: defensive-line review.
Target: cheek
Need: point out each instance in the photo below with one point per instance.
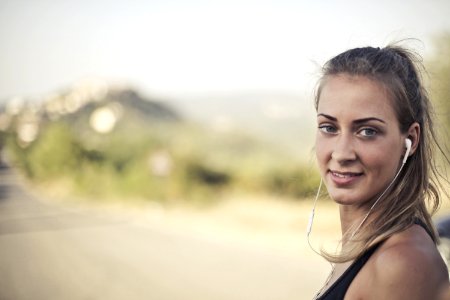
(380, 161)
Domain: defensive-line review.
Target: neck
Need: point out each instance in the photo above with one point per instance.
(350, 217)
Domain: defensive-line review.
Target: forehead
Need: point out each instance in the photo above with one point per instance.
(355, 97)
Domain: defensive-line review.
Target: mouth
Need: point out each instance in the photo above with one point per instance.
(344, 178)
(345, 174)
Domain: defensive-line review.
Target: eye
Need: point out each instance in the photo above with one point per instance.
(368, 132)
(326, 128)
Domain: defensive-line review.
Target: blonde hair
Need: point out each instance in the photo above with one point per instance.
(417, 187)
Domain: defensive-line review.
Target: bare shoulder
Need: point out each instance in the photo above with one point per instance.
(408, 266)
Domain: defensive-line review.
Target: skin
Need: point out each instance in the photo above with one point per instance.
(359, 149)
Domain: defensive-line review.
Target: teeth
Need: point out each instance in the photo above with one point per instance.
(343, 175)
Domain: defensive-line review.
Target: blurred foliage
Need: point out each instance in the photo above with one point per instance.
(439, 71)
(201, 164)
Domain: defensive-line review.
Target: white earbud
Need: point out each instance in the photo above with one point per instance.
(408, 144)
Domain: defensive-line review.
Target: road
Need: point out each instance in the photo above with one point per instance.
(51, 251)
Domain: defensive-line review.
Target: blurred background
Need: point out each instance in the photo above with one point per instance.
(133, 131)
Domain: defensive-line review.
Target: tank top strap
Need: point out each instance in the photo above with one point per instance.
(419, 222)
(338, 289)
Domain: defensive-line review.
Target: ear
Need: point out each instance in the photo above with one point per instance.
(414, 136)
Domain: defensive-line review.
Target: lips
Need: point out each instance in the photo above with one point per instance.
(344, 178)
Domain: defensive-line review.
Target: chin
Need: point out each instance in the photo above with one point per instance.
(345, 199)
(345, 202)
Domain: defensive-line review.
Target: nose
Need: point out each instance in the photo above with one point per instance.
(344, 150)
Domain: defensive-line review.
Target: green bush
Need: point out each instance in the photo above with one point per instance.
(56, 152)
(203, 165)
(297, 182)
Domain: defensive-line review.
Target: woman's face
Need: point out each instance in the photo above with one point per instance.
(358, 144)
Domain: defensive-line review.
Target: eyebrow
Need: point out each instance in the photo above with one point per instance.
(358, 121)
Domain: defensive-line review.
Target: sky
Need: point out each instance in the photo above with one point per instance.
(177, 49)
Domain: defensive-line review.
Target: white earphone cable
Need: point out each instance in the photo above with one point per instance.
(311, 216)
(378, 199)
(311, 219)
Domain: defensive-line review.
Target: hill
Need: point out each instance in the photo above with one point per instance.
(286, 120)
(107, 142)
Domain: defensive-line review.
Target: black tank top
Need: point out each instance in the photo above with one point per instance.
(339, 288)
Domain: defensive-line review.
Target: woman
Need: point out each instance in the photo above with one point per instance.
(374, 150)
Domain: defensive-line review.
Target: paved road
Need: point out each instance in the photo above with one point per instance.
(49, 251)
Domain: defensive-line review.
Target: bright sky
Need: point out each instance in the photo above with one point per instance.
(179, 48)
